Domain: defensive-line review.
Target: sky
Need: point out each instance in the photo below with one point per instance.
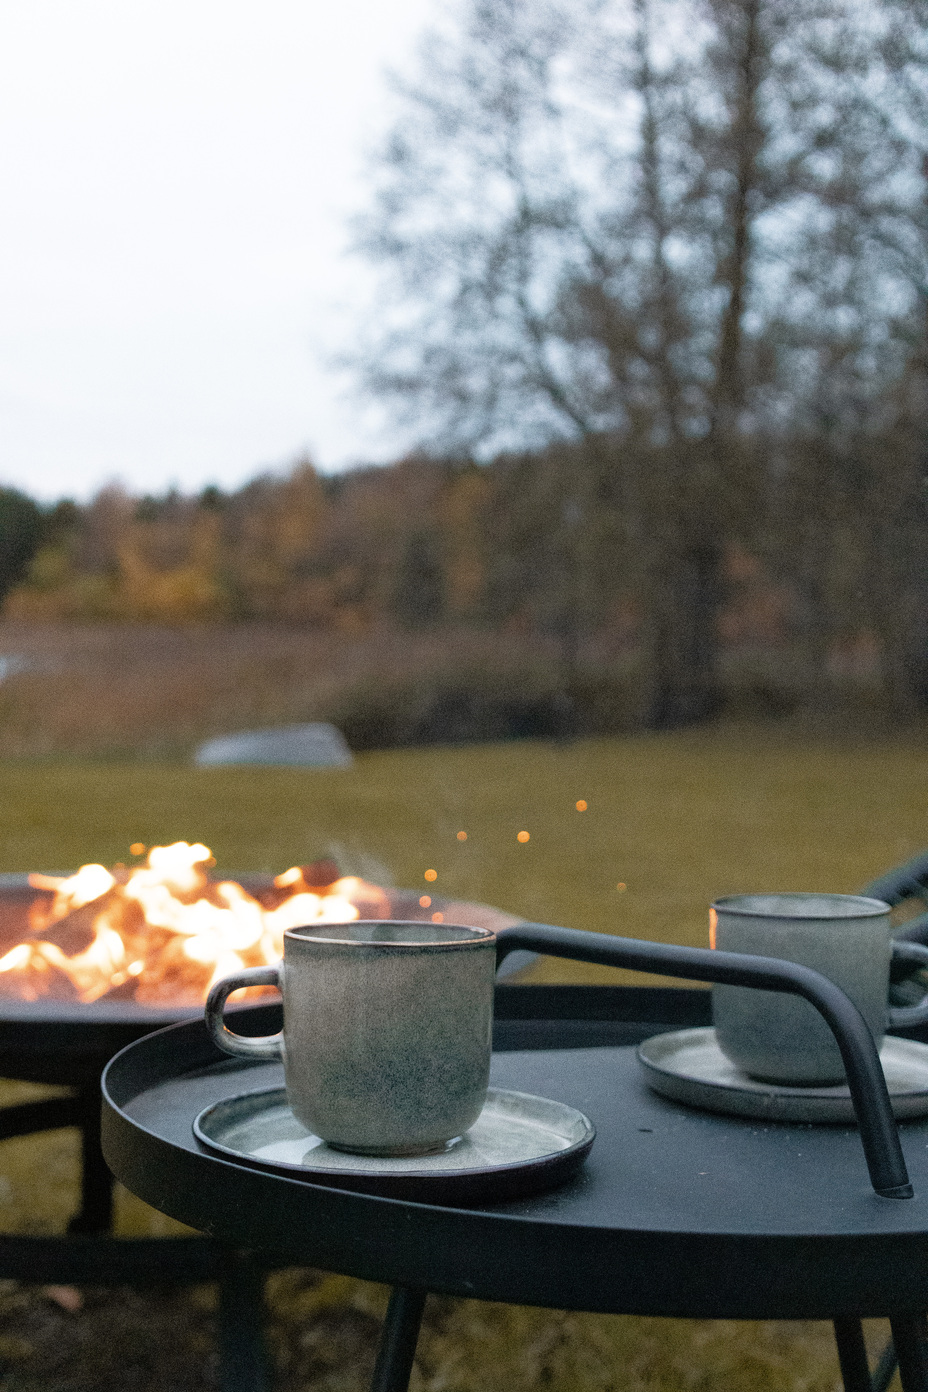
(177, 179)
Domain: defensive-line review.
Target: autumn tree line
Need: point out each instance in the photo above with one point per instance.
(654, 298)
(432, 548)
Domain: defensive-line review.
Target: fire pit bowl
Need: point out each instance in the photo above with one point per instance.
(50, 1040)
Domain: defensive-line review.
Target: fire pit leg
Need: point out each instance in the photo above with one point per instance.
(885, 1369)
(852, 1355)
(910, 1336)
(242, 1357)
(96, 1210)
(398, 1340)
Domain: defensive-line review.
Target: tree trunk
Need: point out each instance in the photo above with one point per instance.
(681, 637)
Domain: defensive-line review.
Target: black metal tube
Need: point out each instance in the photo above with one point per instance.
(28, 1118)
(852, 1355)
(867, 1084)
(242, 1355)
(96, 1210)
(915, 930)
(901, 882)
(398, 1340)
(910, 1336)
(885, 1369)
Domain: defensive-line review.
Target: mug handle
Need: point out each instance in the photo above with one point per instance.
(266, 1046)
(907, 1016)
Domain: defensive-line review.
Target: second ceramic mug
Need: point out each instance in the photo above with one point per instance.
(781, 1038)
(387, 1031)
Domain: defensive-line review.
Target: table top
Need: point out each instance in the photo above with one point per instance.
(675, 1212)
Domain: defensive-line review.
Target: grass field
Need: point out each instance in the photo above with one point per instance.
(675, 820)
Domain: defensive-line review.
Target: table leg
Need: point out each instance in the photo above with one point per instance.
(910, 1336)
(398, 1340)
(885, 1369)
(96, 1210)
(242, 1356)
(852, 1355)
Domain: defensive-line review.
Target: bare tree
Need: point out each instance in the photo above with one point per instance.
(850, 335)
(474, 219)
(682, 233)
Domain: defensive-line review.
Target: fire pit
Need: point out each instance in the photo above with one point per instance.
(92, 961)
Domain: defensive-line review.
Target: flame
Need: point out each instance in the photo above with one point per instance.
(163, 932)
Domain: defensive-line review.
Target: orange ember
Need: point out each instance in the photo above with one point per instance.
(161, 933)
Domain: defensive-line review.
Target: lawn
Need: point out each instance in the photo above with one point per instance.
(670, 822)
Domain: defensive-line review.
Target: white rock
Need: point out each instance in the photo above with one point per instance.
(312, 746)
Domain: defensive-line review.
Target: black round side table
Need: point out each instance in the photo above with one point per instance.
(676, 1212)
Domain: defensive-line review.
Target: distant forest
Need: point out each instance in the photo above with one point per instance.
(817, 601)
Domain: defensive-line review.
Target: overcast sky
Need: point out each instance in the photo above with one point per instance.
(176, 177)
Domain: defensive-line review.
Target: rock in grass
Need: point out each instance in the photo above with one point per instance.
(310, 746)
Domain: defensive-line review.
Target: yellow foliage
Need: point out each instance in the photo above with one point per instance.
(51, 568)
(133, 590)
(55, 590)
(183, 593)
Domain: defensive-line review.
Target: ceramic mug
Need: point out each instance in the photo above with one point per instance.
(387, 1031)
(781, 1038)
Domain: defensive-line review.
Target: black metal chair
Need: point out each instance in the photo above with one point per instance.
(904, 883)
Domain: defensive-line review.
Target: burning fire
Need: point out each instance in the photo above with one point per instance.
(163, 932)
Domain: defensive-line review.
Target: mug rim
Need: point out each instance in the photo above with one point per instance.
(320, 932)
(854, 906)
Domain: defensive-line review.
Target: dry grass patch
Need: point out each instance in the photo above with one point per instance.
(111, 690)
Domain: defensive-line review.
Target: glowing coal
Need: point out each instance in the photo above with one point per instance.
(162, 932)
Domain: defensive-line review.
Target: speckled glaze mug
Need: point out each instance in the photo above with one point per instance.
(781, 1038)
(387, 1031)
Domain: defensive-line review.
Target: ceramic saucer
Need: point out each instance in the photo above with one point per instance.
(688, 1066)
(519, 1145)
